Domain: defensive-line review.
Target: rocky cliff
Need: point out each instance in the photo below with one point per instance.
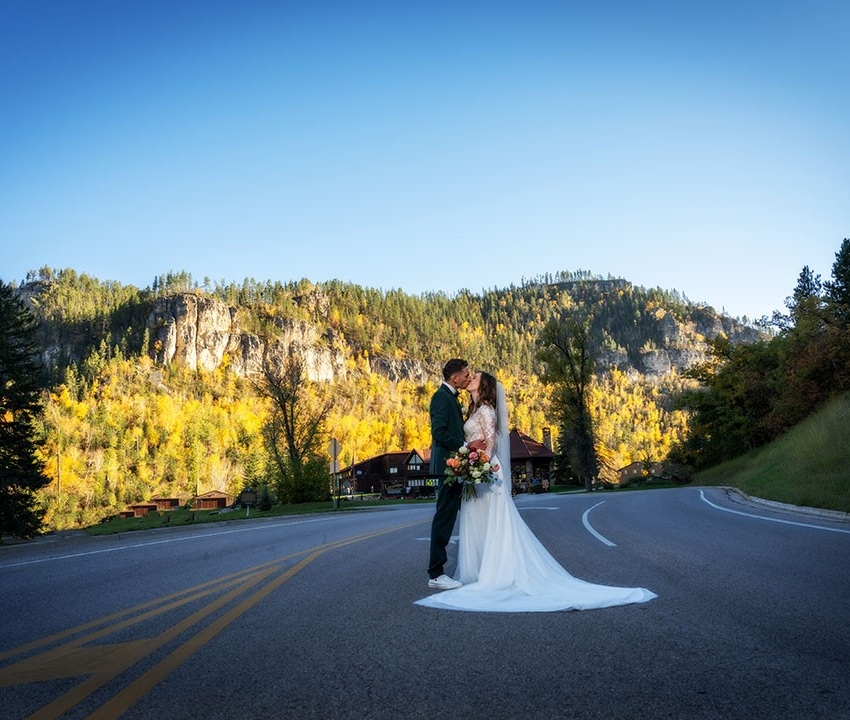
(680, 344)
(199, 332)
(680, 338)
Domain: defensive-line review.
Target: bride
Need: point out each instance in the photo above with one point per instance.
(502, 565)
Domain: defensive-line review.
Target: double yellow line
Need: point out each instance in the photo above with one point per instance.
(102, 663)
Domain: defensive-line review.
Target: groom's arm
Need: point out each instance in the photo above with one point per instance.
(444, 430)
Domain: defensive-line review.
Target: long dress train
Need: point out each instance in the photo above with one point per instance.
(503, 566)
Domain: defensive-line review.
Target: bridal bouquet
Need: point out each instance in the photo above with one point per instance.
(469, 468)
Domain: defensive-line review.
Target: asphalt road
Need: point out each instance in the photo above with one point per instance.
(313, 617)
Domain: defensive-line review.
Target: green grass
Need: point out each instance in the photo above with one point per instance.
(809, 465)
(183, 517)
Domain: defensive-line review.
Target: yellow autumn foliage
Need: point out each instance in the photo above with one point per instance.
(140, 432)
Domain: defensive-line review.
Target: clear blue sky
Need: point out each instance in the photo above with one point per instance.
(701, 147)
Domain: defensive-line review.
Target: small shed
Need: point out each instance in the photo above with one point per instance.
(139, 510)
(166, 503)
(212, 500)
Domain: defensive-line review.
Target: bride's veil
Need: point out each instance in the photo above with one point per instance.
(503, 433)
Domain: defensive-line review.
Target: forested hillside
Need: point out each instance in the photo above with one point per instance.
(751, 394)
(151, 390)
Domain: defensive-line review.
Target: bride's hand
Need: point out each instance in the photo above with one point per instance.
(476, 445)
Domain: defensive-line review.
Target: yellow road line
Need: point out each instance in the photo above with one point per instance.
(103, 663)
(129, 654)
(51, 639)
(141, 687)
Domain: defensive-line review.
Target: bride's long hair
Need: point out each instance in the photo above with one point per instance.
(486, 393)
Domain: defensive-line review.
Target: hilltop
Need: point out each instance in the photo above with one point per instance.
(635, 330)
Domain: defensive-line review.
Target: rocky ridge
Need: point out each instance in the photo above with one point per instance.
(203, 332)
(200, 332)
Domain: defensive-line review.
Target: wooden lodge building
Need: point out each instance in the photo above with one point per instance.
(393, 474)
(406, 474)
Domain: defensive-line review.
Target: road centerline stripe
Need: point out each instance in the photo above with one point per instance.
(591, 530)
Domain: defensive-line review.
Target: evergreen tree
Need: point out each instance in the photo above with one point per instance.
(807, 295)
(837, 343)
(565, 349)
(21, 470)
(838, 289)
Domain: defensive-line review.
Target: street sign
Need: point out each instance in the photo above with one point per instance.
(248, 497)
(334, 449)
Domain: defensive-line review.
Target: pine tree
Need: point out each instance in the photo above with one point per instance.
(21, 470)
(838, 289)
(806, 295)
(564, 347)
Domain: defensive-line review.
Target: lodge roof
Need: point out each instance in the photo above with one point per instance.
(397, 458)
(524, 448)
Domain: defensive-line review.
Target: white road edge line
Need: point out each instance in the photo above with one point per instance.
(770, 519)
(589, 528)
(99, 551)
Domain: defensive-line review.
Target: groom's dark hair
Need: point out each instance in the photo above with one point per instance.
(455, 365)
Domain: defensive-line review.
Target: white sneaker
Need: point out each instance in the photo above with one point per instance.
(444, 582)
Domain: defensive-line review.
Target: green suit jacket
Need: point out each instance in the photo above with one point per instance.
(446, 428)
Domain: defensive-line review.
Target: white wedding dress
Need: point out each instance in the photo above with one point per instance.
(503, 566)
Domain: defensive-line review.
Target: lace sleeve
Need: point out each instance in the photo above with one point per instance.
(487, 425)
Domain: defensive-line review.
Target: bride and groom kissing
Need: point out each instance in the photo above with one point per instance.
(501, 565)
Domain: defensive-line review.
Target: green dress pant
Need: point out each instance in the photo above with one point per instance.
(445, 514)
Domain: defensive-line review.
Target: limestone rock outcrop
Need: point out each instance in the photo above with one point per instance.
(199, 332)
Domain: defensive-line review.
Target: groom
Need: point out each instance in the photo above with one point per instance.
(446, 437)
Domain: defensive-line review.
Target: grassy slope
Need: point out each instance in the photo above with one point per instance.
(810, 465)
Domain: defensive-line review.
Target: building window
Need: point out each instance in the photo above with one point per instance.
(393, 471)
